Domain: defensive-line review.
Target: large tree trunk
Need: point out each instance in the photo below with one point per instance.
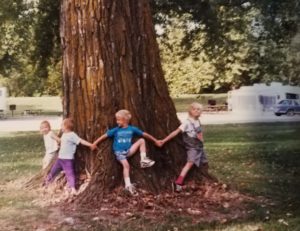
(110, 62)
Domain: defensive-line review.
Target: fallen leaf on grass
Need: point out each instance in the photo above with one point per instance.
(40, 229)
(224, 186)
(134, 202)
(226, 205)
(223, 221)
(193, 211)
(129, 214)
(119, 199)
(282, 221)
(69, 220)
(114, 212)
(149, 205)
(208, 193)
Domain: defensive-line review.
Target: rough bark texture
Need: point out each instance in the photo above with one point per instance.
(110, 62)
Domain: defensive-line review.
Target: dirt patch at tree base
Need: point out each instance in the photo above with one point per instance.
(197, 205)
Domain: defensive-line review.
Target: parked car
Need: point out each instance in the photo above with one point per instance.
(288, 107)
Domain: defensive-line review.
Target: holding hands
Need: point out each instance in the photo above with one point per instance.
(93, 146)
(159, 143)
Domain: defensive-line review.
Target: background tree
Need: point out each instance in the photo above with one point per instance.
(225, 44)
(30, 51)
(206, 46)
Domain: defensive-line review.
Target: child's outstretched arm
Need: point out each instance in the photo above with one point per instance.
(100, 139)
(200, 136)
(55, 137)
(88, 144)
(149, 137)
(171, 136)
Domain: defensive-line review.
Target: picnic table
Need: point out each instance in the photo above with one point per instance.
(212, 106)
(32, 112)
(1, 113)
(215, 108)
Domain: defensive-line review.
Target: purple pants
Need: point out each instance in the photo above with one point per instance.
(67, 166)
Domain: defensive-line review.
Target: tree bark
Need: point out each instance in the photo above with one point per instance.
(111, 62)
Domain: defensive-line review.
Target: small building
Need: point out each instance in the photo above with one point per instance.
(3, 95)
(260, 97)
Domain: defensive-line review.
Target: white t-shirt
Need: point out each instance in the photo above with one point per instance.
(50, 143)
(188, 126)
(68, 144)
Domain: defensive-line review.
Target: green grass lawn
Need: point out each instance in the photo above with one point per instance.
(257, 159)
(261, 160)
(20, 155)
(20, 158)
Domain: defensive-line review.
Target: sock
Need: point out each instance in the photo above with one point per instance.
(143, 155)
(127, 181)
(179, 180)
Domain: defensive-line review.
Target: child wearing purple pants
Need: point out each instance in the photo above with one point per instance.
(65, 161)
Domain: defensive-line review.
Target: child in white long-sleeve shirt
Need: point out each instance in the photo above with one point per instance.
(50, 142)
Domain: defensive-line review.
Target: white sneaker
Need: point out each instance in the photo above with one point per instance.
(146, 163)
(132, 190)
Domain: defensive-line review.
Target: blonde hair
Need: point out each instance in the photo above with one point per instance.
(46, 122)
(68, 123)
(124, 114)
(195, 105)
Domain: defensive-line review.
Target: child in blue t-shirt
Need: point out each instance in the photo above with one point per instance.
(123, 147)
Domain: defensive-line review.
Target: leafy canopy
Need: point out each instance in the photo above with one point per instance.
(206, 46)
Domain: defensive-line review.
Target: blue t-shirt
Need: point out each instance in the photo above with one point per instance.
(123, 137)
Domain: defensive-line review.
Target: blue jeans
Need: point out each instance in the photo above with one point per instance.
(121, 155)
